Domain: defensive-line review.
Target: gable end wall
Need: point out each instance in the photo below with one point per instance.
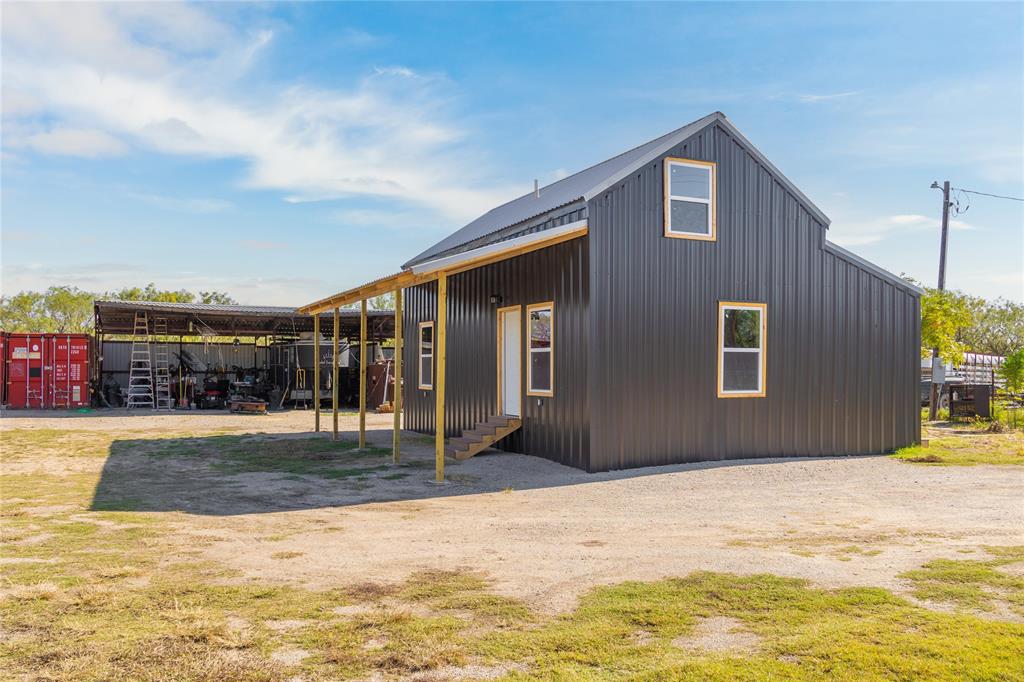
(842, 358)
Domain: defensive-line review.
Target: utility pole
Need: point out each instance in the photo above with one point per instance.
(933, 404)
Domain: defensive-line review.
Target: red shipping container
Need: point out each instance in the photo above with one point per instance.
(47, 371)
(3, 368)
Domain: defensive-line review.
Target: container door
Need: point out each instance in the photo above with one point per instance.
(510, 336)
(25, 371)
(69, 373)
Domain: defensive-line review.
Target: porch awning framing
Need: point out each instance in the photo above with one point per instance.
(450, 265)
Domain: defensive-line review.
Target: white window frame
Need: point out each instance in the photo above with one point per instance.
(420, 355)
(530, 350)
(711, 202)
(761, 350)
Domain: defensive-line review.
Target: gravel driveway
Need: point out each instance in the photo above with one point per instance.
(546, 532)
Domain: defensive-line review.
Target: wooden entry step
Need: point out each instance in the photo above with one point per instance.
(482, 436)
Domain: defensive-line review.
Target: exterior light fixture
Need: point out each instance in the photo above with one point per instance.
(495, 299)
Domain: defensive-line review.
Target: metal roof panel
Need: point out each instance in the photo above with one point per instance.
(565, 191)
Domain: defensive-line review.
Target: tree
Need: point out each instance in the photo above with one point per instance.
(61, 310)
(382, 302)
(997, 329)
(151, 293)
(1012, 371)
(69, 309)
(218, 297)
(944, 317)
(20, 313)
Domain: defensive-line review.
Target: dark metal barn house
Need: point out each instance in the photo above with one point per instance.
(676, 303)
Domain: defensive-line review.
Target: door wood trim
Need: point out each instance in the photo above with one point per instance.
(501, 353)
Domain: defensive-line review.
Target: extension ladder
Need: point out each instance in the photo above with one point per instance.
(162, 364)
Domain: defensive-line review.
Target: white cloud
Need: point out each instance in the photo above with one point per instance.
(17, 102)
(174, 79)
(183, 204)
(290, 291)
(384, 218)
(812, 99)
(879, 229)
(911, 127)
(75, 142)
(357, 38)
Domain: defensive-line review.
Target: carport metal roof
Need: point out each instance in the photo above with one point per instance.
(195, 319)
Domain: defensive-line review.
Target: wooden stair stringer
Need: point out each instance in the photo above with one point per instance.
(482, 436)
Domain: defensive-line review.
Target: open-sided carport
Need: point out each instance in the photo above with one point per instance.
(223, 325)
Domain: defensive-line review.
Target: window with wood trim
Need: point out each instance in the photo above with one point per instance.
(742, 329)
(540, 367)
(426, 355)
(690, 199)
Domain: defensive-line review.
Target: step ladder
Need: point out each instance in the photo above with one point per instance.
(162, 364)
(482, 436)
(140, 373)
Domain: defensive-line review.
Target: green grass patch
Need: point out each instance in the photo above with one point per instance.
(981, 584)
(966, 448)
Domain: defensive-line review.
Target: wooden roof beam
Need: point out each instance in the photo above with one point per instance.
(451, 265)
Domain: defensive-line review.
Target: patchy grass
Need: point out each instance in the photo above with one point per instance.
(844, 544)
(121, 595)
(804, 633)
(311, 456)
(966, 445)
(982, 585)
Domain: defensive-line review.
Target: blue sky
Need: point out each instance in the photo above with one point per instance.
(284, 152)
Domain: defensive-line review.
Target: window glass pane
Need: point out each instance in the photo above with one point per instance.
(427, 337)
(689, 216)
(540, 371)
(540, 329)
(426, 373)
(687, 181)
(742, 328)
(739, 371)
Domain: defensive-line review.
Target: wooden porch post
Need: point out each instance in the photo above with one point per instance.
(334, 374)
(362, 374)
(397, 436)
(316, 369)
(439, 354)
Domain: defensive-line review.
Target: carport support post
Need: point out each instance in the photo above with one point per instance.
(397, 402)
(316, 369)
(362, 374)
(440, 354)
(334, 374)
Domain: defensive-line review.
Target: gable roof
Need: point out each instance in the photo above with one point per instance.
(590, 182)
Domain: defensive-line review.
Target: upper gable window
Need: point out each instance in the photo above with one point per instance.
(690, 188)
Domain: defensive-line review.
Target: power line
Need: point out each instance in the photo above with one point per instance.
(986, 194)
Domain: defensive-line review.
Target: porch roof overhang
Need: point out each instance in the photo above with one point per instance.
(450, 265)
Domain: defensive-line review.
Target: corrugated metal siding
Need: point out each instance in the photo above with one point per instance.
(559, 428)
(117, 356)
(842, 342)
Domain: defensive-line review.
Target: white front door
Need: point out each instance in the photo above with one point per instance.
(510, 330)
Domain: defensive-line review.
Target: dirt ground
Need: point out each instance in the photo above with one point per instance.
(544, 532)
